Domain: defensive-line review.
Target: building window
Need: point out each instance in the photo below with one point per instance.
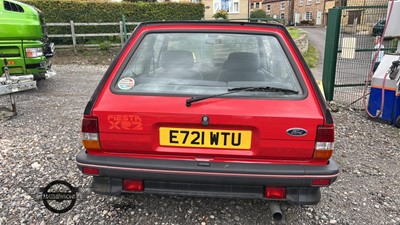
(252, 6)
(301, 2)
(195, 1)
(309, 2)
(235, 8)
(307, 16)
(282, 5)
(282, 15)
(257, 5)
(231, 6)
(317, 1)
(268, 7)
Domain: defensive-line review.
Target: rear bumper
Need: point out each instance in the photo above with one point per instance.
(214, 179)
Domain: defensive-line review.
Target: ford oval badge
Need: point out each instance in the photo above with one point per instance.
(296, 132)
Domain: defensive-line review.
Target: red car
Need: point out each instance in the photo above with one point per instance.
(221, 109)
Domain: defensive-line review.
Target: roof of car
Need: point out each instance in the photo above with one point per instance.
(213, 22)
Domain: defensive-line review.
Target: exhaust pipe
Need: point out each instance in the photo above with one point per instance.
(275, 211)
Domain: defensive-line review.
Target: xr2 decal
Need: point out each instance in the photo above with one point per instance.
(125, 122)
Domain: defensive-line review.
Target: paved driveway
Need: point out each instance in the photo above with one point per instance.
(316, 37)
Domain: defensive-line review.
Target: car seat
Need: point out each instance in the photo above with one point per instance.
(241, 66)
(178, 64)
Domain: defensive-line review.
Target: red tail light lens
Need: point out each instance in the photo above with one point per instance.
(133, 185)
(275, 192)
(90, 133)
(324, 142)
(321, 182)
(90, 171)
(325, 134)
(90, 125)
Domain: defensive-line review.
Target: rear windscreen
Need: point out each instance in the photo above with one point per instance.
(207, 63)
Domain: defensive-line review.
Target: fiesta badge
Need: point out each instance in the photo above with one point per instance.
(296, 132)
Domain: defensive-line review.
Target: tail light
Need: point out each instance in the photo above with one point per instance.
(324, 142)
(133, 185)
(275, 192)
(321, 182)
(90, 133)
(90, 171)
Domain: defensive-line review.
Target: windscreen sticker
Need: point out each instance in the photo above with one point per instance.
(126, 83)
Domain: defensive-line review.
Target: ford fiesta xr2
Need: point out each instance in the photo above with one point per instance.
(219, 109)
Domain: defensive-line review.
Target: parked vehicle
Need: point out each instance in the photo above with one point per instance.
(219, 109)
(23, 40)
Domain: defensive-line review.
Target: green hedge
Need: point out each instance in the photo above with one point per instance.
(100, 11)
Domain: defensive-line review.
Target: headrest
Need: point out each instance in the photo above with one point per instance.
(177, 59)
(242, 61)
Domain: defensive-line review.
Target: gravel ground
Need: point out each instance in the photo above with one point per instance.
(40, 144)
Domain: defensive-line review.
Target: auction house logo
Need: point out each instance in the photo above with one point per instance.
(59, 196)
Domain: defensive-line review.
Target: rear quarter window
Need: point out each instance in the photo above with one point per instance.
(189, 64)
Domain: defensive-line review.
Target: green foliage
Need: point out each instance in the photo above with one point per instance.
(307, 22)
(295, 33)
(258, 13)
(311, 56)
(221, 14)
(58, 11)
(105, 45)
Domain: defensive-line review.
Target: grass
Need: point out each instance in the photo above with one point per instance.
(295, 33)
(311, 56)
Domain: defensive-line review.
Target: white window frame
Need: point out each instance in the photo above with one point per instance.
(217, 5)
(268, 6)
(283, 4)
(317, 1)
(308, 15)
(232, 6)
(301, 2)
(309, 2)
(282, 16)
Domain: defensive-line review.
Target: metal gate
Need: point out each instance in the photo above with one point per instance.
(349, 49)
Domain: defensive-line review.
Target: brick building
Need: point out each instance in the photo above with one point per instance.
(237, 9)
(279, 9)
(311, 10)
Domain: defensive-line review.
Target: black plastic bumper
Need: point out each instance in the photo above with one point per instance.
(213, 179)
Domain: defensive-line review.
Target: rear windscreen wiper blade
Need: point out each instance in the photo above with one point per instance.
(239, 89)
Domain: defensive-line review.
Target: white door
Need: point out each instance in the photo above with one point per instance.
(318, 20)
(297, 18)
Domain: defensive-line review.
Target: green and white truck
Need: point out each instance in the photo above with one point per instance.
(25, 50)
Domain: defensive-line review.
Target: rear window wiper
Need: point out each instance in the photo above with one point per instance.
(239, 89)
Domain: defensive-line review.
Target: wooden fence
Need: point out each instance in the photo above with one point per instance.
(73, 35)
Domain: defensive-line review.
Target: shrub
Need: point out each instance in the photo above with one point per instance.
(258, 13)
(62, 11)
(221, 14)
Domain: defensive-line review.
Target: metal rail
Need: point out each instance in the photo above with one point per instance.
(73, 35)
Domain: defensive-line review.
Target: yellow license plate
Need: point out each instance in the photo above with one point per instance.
(205, 138)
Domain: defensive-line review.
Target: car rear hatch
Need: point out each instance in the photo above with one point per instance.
(159, 124)
(228, 127)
